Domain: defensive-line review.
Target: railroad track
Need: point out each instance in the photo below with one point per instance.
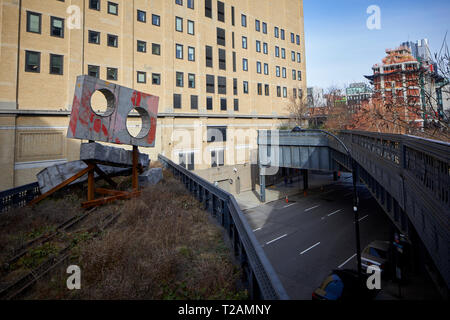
(28, 280)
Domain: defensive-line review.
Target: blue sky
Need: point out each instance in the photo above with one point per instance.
(340, 49)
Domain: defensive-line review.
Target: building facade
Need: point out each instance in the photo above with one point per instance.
(356, 93)
(220, 68)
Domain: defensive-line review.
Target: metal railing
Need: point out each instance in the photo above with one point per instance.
(259, 275)
(410, 177)
(18, 197)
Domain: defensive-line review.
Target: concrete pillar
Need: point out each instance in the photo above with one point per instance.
(262, 185)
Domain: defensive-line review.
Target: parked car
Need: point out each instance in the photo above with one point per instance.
(377, 253)
(343, 284)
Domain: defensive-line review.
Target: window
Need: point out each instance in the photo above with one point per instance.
(221, 36)
(191, 53)
(299, 75)
(94, 37)
(210, 83)
(283, 53)
(179, 80)
(264, 28)
(141, 46)
(266, 90)
(243, 20)
(194, 102)
(258, 67)
(278, 91)
(156, 49)
(156, 78)
(293, 56)
(284, 92)
(34, 22)
(190, 4)
(209, 59)
(297, 37)
(294, 93)
(220, 11)
(186, 159)
(276, 32)
(222, 59)
(179, 51)
(257, 25)
(222, 85)
(244, 64)
(259, 89)
(141, 16)
(265, 48)
(94, 4)
(180, 2)
(235, 89)
(258, 46)
(176, 101)
(208, 9)
(111, 74)
(294, 74)
(266, 68)
(223, 104)
(232, 39)
(217, 158)
(56, 64)
(179, 24)
(156, 20)
(209, 103)
(190, 27)
(245, 87)
(141, 77)
(277, 71)
(191, 80)
(282, 34)
(236, 104)
(57, 27)
(94, 71)
(113, 8)
(244, 42)
(299, 57)
(232, 15)
(112, 40)
(283, 72)
(292, 38)
(234, 61)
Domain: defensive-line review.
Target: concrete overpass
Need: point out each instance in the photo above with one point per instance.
(408, 176)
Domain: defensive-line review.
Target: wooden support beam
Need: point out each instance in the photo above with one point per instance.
(91, 185)
(101, 201)
(109, 191)
(62, 184)
(135, 178)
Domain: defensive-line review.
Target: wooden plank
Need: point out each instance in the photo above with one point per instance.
(62, 184)
(135, 178)
(109, 191)
(101, 201)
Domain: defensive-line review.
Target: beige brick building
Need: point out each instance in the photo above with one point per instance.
(229, 65)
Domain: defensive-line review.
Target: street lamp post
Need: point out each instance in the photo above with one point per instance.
(355, 192)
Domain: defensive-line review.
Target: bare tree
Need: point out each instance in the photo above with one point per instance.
(298, 111)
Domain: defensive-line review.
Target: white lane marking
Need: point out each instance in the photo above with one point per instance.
(310, 248)
(257, 229)
(284, 235)
(345, 262)
(329, 215)
(312, 208)
(362, 218)
(288, 205)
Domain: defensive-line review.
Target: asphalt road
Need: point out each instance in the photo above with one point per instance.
(307, 237)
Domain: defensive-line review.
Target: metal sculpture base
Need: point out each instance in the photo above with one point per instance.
(92, 190)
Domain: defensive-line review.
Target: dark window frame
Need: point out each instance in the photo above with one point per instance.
(51, 26)
(177, 45)
(177, 101)
(176, 19)
(145, 16)
(113, 4)
(109, 36)
(95, 67)
(98, 5)
(62, 64)
(141, 42)
(110, 78)
(94, 32)
(29, 13)
(188, 54)
(178, 73)
(189, 80)
(158, 77)
(142, 73)
(158, 24)
(156, 45)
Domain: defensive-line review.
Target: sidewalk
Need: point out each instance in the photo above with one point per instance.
(418, 288)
